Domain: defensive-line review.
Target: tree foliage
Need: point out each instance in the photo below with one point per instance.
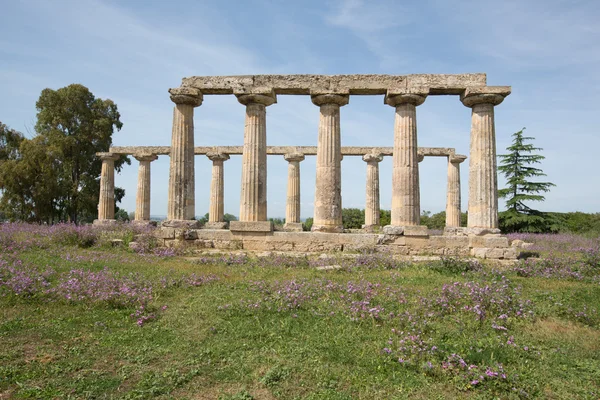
(353, 218)
(517, 167)
(226, 218)
(438, 220)
(55, 175)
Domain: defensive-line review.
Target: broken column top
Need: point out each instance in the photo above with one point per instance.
(432, 84)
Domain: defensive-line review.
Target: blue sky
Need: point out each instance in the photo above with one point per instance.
(133, 51)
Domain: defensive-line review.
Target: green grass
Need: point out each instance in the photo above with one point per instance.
(208, 345)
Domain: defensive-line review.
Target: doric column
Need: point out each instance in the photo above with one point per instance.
(453, 191)
(181, 203)
(406, 207)
(292, 208)
(216, 210)
(106, 201)
(328, 190)
(483, 179)
(142, 200)
(253, 199)
(372, 206)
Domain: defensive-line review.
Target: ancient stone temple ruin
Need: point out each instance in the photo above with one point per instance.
(253, 231)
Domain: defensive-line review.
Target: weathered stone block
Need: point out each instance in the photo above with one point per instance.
(416, 230)
(254, 226)
(166, 233)
(371, 228)
(457, 241)
(516, 243)
(257, 245)
(511, 253)
(488, 241)
(217, 234)
(437, 241)
(143, 222)
(293, 227)
(455, 231)
(495, 253)
(358, 239)
(181, 224)
(481, 231)
(393, 230)
(479, 252)
(417, 242)
(216, 225)
(190, 234)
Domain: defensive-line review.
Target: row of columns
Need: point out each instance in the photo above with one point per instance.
(292, 214)
(483, 197)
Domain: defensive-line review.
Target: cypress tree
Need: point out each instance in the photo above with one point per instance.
(516, 168)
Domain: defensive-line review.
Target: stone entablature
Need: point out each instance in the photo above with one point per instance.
(282, 150)
(428, 84)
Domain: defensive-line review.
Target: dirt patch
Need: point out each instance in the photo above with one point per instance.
(555, 329)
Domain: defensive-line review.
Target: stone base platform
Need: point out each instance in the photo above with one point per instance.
(489, 246)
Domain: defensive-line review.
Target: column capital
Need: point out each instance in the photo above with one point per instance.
(108, 156)
(330, 98)
(420, 157)
(456, 158)
(289, 157)
(394, 98)
(186, 95)
(377, 158)
(493, 95)
(265, 99)
(145, 157)
(216, 156)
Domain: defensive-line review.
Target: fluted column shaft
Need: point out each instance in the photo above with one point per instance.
(483, 179)
(328, 189)
(216, 210)
(372, 204)
(142, 200)
(406, 202)
(106, 202)
(253, 201)
(181, 202)
(292, 209)
(453, 192)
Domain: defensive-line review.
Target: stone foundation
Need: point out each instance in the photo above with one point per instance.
(488, 246)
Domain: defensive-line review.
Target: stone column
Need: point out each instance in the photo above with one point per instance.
(253, 200)
(292, 208)
(483, 180)
(406, 207)
(181, 208)
(328, 190)
(372, 205)
(142, 200)
(453, 191)
(106, 201)
(216, 210)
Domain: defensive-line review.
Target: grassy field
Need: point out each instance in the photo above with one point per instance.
(82, 319)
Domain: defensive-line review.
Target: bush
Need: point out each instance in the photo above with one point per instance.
(455, 265)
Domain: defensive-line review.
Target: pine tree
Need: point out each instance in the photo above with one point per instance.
(515, 166)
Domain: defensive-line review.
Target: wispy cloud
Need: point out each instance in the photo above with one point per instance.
(549, 34)
(374, 23)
